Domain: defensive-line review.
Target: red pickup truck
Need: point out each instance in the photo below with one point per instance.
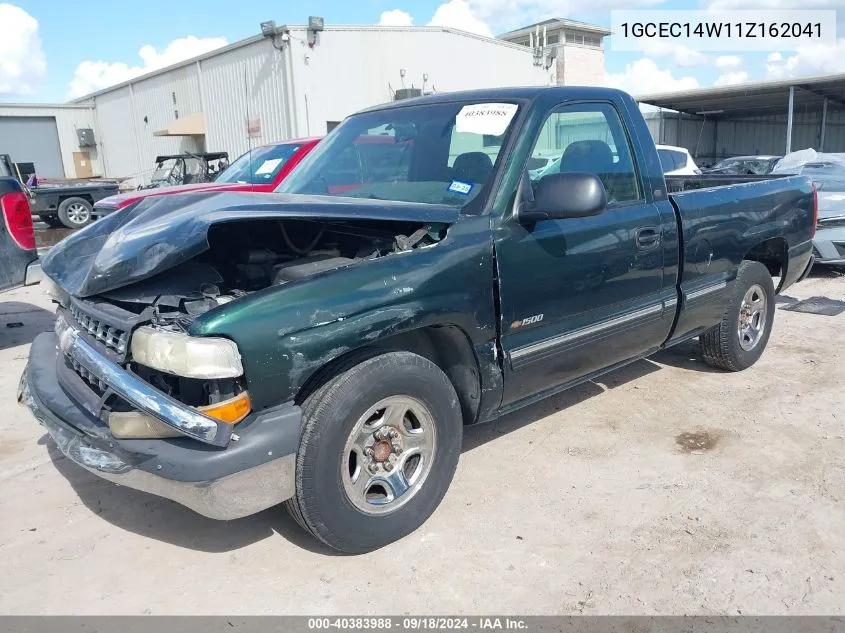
(261, 169)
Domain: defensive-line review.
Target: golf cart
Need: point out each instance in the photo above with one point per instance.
(187, 168)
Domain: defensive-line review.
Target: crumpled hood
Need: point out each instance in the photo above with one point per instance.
(164, 231)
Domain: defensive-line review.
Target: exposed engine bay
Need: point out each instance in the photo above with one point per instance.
(248, 256)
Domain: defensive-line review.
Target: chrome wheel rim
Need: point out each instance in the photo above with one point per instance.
(388, 455)
(78, 213)
(752, 317)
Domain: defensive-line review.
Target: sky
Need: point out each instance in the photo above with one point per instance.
(53, 50)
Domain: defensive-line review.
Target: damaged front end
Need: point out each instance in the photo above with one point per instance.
(126, 384)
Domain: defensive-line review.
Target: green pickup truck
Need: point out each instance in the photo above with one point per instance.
(324, 345)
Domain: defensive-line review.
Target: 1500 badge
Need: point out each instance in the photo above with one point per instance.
(527, 321)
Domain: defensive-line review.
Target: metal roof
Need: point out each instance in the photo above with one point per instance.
(755, 99)
(555, 23)
(293, 29)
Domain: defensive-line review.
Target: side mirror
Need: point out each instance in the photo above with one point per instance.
(561, 196)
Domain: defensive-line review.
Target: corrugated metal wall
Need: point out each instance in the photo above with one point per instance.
(296, 92)
(118, 135)
(129, 116)
(246, 83)
(68, 118)
(711, 140)
(354, 68)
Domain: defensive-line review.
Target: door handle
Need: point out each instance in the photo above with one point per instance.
(648, 238)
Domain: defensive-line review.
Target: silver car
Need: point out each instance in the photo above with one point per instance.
(829, 242)
(828, 174)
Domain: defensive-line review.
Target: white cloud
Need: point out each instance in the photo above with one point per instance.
(807, 60)
(774, 4)
(644, 76)
(732, 78)
(396, 17)
(458, 14)
(22, 61)
(91, 76)
(728, 61)
(682, 55)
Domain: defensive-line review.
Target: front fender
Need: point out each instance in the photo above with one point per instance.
(286, 333)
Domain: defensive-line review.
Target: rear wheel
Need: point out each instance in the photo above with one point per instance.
(379, 448)
(74, 213)
(738, 341)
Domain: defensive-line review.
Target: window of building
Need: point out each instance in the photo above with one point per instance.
(580, 38)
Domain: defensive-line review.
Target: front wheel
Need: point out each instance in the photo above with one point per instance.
(379, 448)
(738, 341)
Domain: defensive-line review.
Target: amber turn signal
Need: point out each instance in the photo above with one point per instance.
(230, 411)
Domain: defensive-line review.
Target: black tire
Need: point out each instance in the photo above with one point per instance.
(321, 504)
(721, 344)
(75, 213)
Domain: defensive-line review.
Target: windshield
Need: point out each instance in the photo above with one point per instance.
(441, 153)
(166, 169)
(259, 166)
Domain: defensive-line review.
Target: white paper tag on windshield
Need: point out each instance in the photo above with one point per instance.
(268, 166)
(485, 118)
(838, 198)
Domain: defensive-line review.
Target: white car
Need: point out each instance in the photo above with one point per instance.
(676, 161)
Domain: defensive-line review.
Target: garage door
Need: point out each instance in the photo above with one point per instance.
(33, 140)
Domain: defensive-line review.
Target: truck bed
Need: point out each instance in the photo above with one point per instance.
(706, 181)
(721, 219)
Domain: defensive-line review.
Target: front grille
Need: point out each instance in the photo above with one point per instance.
(86, 375)
(112, 337)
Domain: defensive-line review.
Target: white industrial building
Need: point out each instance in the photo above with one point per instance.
(298, 83)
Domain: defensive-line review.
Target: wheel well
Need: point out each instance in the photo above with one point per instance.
(447, 346)
(773, 254)
(84, 196)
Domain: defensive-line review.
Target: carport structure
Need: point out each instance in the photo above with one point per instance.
(755, 118)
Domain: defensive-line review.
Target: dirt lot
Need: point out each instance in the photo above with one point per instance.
(667, 487)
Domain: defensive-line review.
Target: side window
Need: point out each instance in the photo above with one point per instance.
(591, 138)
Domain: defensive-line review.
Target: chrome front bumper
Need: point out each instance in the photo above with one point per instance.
(251, 474)
(139, 393)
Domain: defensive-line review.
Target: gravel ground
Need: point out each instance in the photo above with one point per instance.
(664, 488)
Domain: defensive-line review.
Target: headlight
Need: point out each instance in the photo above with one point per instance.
(137, 425)
(187, 356)
(53, 290)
